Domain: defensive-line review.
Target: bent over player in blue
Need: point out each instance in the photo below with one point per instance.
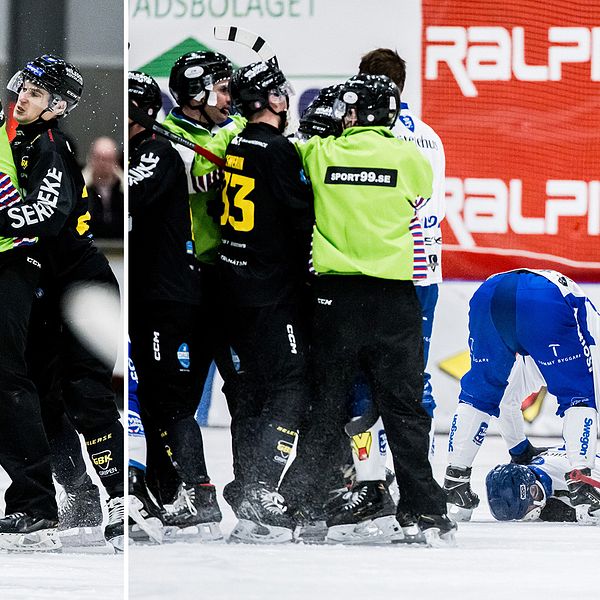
(546, 316)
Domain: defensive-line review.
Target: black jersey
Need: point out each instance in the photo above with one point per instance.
(161, 253)
(267, 218)
(54, 203)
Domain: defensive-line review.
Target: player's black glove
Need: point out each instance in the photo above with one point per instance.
(215, 206)
(2, 119)
(525, 457)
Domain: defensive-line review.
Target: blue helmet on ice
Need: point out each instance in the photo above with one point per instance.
(514, 493)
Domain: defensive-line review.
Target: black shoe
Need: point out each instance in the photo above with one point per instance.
(233, 493)
(266, 506)
(80, 506)
(145, 516)
(438, 530)
(411, 531)
(23, 532)
(366, 500)
(584, 496)
(461, 500)
(196, 503)
(114, 532)
(24, 523)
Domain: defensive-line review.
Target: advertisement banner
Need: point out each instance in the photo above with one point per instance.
(513, 89)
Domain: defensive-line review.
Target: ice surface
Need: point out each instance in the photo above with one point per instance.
(493, 561)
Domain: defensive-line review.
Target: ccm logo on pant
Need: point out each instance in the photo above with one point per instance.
(292, 339)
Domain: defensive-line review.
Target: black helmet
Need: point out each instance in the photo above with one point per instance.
(60, 79)
(145, 91)
(195, 73)
(375, 98)
(250, 86)
(318, 118)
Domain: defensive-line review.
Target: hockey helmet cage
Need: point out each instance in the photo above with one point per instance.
(318, 117)
(60, 79)
(251, 85)
(375, 98)
(195, 73)
(145, 92)
(514, 493)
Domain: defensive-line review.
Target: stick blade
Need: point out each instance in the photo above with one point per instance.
(246, 38)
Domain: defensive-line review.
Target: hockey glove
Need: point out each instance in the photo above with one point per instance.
(525, 456)
(461, 500)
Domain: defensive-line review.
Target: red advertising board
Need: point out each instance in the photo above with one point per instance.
(513, 90)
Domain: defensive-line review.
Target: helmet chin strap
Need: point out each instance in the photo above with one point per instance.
(203, 118)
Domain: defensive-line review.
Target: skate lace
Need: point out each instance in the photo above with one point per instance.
(116, 510)
(66, 501)
(273, 502)
(185, 501)
(355, 498)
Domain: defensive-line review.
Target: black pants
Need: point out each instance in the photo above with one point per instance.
(163, 351)
(273, 388)
(24, 450)
(373, 325)
(74, 382)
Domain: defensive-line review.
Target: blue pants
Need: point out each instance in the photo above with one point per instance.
(525, 313)
(428, 297)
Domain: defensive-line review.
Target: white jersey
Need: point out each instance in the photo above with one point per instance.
(431, 214)
(551, 466)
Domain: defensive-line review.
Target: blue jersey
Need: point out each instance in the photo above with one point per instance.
(541, 314)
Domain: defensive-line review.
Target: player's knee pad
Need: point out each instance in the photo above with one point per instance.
(467, 432)
(580, 432)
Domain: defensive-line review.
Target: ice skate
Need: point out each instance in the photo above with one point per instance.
(311, 527)
(461, 500)
(410, 531)
(80, 520)
(194, 516)
(438, 530)
(145, 516)
(584, 493)
(20, 532)
(367, 516)
(114, 532)
(263, 517)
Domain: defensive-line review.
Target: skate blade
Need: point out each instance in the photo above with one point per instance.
(84, 540)
(45, 540)
(411, 534)
(311, 534)
(248, 532)
(151, 526)
(193, 534)
(458, 514)
(584, 517)
(118, 543)
(371, 531)
(150, 533)
(436, 540)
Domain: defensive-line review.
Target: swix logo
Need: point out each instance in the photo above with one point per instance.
(292, 339)
(585, 438)
(499, 54)
(156, 345)
(491, 206)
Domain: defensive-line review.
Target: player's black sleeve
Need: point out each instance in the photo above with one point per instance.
(49, 201)
(152, 174)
